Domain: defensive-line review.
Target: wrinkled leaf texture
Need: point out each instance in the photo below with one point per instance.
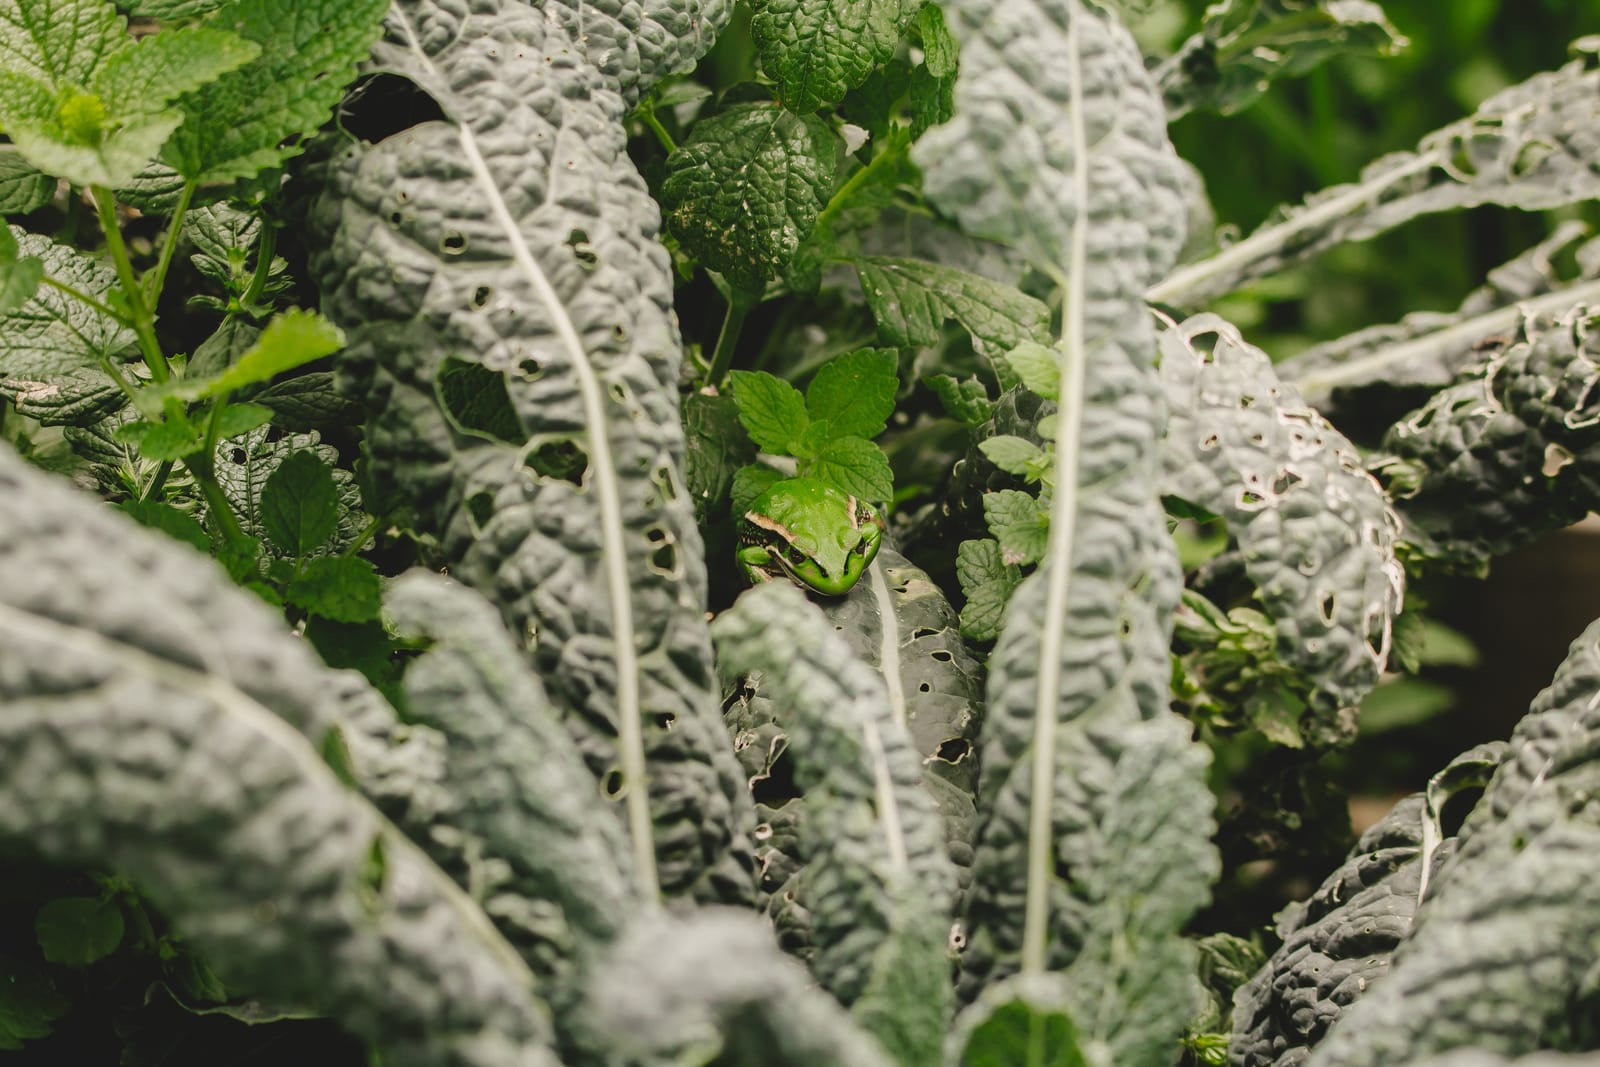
(512, 248)
(1093, 848)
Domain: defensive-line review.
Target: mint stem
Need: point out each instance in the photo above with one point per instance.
(732, 323)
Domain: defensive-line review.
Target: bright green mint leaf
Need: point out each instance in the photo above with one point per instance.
(23, 186)
(855, 392)
(1039, 368)
(341, 588)
(817, 49)
(19, 275)
(83, 100)
(162, 440)
(749, 482)
(965, 400)
(290, 340)
(744, 191)
(1019, 522)
(1023, 1020)
(987, 581)
(240, 419)
(254, 117)
(76, 931)
(941, 53)
(169, 520)
(299, 504)
(772, 410)
(1015, 455)
(912, 298)
(855, 465)
(29, 1003)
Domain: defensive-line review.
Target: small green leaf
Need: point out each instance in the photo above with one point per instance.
(749, 482)
(817, 49)
(715, 447)
(308, 402)
(341, 588)
(772, 410)
(169, 520)
(855, 392)
(1014, 455)
(23, 187)
(76, 931)
(987, 581)
(911, 299)
(292, 339)
(940, 52)
(240, 557)
(746, 188)
(19, 275)
(1019, 523)
(299, 504)
(162, 440)
(1039, 368)
(1023, 1020)
(29, 1003)
(240, 419)
(855, 465)
(965, 400)
(1406, 641)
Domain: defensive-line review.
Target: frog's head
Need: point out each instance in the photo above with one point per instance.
(810, 533)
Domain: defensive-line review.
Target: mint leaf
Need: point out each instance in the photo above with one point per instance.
(299, 504)
(1019, 523)
(855, 465)
(817, 49)
(23, 187)
(292, 339)
(911, 299)
(965, 400)
(169, 520)
(987, 581)
(19, 275)
(932, 101)
(162, 440)
(1015, 455)
(854, 393)
(715, 447)
(29, 1003)
(240, 419)
(940, 52)
(1039, 368)
(749, 482)
(83, 100)
(341, 588)
(76, 931)
(255, 117)
(309, 401)
(746, 189)
(772, 410)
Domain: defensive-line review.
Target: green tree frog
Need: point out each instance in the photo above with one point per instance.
(811, 533)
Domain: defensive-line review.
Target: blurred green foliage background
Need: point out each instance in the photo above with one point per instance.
(1319, 130)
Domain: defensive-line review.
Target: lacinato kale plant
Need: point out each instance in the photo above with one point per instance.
(678, 533)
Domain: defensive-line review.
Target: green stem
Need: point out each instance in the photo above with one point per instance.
(266, 248)
(216, 502)
(733, 322)
(169, 247)
(85, 299)
(144, 320)
(365, 535)
(841, 197)
(647, 115)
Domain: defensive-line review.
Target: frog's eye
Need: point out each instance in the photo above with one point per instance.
(860, 549)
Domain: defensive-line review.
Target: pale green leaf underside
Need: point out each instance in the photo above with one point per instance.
(1316, 532)
(817, 49)
(911, 299)
(450, 247)
(1531, 147)
(118, 640)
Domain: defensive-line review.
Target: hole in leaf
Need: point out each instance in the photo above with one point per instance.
(481, 506)
(1457, 807)
(531, 369)
(480, 296)
(664, 560)
(924, 688)
(1328, 605)
(923, 631)
(664, 720)
(954, 749)
(764, 831)
(476, 399)
(453, 243)
(386, 104)
(238, 455)
(778, 787)
(613, 784)
(578, 241)
(562, 460)
(943, 655)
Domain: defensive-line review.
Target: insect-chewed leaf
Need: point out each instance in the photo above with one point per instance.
(1093, 848)
(1338, 942)
(1509, 452)
(1511, 919)
(516, 236)
(113, 641)
(1316, 532)
(878, 879)
(638, 44)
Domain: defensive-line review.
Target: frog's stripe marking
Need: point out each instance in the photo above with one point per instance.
(855, 512)
(770, 524)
